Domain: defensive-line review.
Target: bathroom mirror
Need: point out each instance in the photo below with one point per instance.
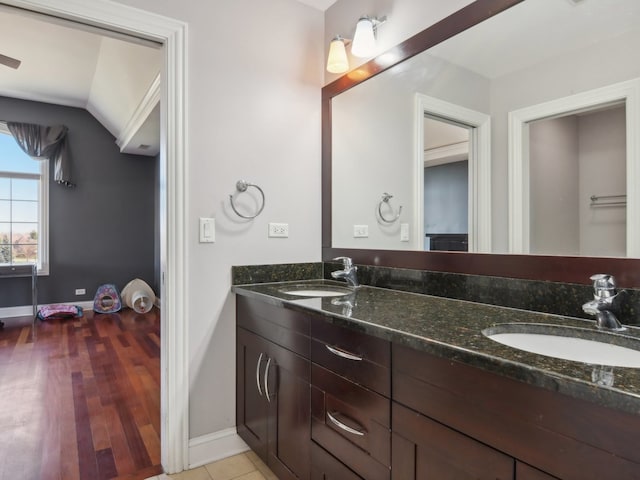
(532, 53)
(440, 42)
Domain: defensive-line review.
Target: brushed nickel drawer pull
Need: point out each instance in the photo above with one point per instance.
(344, 354)
(344, 427)
(258, 374)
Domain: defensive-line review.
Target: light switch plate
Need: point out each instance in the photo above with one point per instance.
(404, 232)
(207, 230)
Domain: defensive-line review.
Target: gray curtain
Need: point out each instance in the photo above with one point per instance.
(45, 143)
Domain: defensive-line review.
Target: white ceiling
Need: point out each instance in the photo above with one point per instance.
(319, 4)
(534, 31)
(115, 80)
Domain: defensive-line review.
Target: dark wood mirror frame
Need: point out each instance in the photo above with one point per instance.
(533, 267)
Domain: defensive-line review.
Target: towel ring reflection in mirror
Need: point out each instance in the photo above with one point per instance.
(242, 186)
(385, 199)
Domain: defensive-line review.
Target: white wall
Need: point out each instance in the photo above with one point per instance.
(373, 146)
(255, 73)
(593, 67)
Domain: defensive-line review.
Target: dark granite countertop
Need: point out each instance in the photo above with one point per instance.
(453, 329)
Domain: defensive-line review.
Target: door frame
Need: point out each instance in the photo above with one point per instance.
(519, 195)
(172, 34)
(479, 168)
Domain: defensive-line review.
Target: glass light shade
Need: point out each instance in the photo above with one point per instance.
(337, 61)
(364, 40)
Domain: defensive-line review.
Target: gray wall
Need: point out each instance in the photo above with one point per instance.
(603, 171)
(101, 231)
(446, 198)
(554, 186)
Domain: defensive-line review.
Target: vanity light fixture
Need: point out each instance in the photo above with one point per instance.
(364, 40)
(363, 46)
(337, 61)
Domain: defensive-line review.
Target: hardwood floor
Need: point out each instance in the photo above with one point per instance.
(80, 400)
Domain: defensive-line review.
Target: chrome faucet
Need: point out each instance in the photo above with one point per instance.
(348, 272)
(604, 304)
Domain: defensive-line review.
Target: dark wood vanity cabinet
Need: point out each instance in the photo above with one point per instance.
(518, 430)
(350, 406)
(319, 401)
(426, 449)
(526, 472)
(272, 386)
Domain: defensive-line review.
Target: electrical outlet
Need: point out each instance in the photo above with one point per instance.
(360, 231)
(278, 230)
(81, 291)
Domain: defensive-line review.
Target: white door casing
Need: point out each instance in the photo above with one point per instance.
(519, 195)
(479, 168)
(173, 203)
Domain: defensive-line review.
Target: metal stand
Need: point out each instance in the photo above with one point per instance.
(26, 270)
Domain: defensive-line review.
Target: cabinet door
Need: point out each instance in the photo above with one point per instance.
(251, 405)
(424, 449)
(288, 395)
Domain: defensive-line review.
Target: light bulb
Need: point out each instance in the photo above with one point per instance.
(337, 61)
(364, 40)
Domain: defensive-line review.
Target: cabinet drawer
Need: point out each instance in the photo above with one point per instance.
(352, 423)
(426, 449)
(287, 328)
(529, 423)
(326, 467)
(361, 358)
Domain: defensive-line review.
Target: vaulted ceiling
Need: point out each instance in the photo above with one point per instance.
(113, 77)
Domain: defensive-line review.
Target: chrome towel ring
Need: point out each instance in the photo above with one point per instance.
(241, 186)
(385, 199)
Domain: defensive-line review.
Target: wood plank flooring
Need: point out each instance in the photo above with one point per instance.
(80, 399)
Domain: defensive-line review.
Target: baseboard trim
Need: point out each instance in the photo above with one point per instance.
(215, 446)
(27, 310)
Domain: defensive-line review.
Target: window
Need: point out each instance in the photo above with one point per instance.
(24, 206)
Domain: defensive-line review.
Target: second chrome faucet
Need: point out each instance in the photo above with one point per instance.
(348, 272)
(605, 302)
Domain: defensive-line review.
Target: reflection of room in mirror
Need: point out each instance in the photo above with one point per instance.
(499, 66)
(571, 159)
(446, 185)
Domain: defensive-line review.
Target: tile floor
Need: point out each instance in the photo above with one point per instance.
(246, 466)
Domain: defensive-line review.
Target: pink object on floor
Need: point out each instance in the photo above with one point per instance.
(59, 310)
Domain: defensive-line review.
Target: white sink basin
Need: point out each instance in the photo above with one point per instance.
(316, 290)
(578, 344)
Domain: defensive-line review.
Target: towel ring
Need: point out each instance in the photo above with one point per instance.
(241, 186)
(385, 199)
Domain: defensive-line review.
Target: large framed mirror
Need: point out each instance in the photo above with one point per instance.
(457, 74)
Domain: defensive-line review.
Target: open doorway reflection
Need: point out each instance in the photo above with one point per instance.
(446, 184)
(578, 183)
